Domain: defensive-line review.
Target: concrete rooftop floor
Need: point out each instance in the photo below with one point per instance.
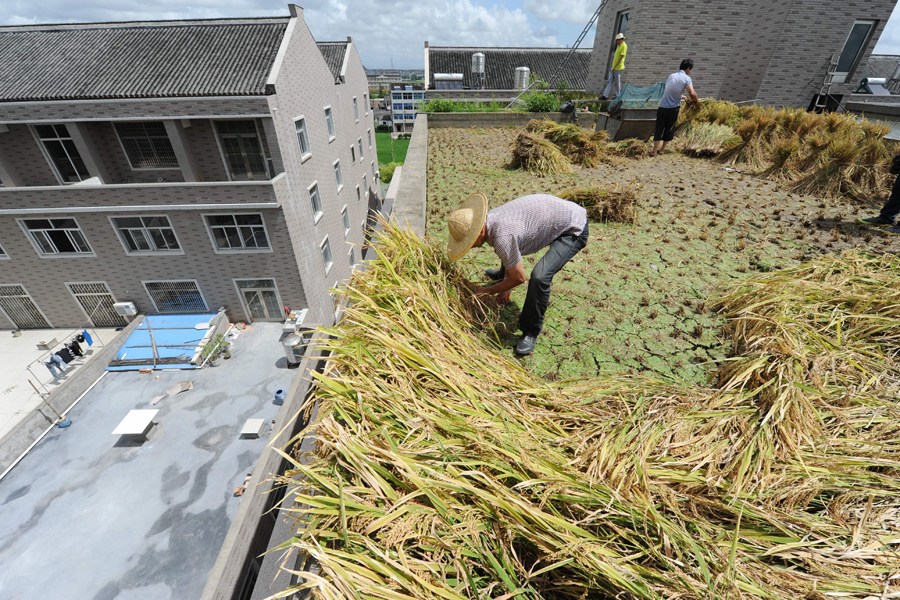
(90, 515)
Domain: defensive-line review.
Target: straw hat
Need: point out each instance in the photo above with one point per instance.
(620, 36)
(465, 225)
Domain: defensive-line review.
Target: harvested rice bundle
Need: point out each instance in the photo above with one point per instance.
(442, 469)
(706, 140)
(617, 204)
(580, 146)
(631, 148)
(539, 156)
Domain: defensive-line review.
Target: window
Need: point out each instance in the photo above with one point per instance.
(329, 123)
(146, 234)
(358, 194)
(352, 154)
(147, 145)
(242, 149)
(338, 179)
(97, 302)
(175, 296)
(360, 146)
(369, 134)
(238, 232)
(355, 109)
(345, 218)
(366, 102)
(54, 237)
(374, 172)
(62, 152)
(315, 201)
(351, 257)
(365, 183)
(854, 48)
(621, 27)
(302, 137)
(3, 253)
(325, 247)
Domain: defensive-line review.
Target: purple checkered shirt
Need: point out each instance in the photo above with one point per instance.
(525, 225)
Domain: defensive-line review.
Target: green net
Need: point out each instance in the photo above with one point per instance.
(638, 96)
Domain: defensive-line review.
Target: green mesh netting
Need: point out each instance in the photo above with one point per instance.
(638, 96)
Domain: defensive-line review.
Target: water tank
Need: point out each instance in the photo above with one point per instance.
(478, 63)
(523, 74)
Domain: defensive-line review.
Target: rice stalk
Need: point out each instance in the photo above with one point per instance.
(616, 204)
(538, 156)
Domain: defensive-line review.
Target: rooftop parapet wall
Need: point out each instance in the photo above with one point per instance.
(139, 109)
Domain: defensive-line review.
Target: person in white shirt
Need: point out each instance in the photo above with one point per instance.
(667, 113)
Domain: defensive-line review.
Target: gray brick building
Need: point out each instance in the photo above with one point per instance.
(179, 165)
(775, 53)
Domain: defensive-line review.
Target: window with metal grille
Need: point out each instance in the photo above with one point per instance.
(20, 308)
(325, 247)
(238, 232)
(243, 149)
(146, 234)
(338, 178)
(315, 201)
(56, 236)
(97, 302)
(302, 136)
(345, 217)
(175, 296)
(329, 123)
(147, 145)
(63, 153)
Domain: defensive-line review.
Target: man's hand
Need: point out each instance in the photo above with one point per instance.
(503, 297)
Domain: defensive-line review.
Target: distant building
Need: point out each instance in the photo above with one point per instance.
(179, 165)
(452, 69)
(405, 103)
(771, 52)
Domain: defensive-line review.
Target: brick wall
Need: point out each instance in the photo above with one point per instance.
(304, 87)
(142, 108)
(45, 278)
(776, 52)
(21, 155)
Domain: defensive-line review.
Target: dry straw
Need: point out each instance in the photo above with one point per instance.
(538, 156)
(444, 470)
(617, 203)
(826, 155)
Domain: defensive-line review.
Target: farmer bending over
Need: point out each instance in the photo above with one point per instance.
(519, 228)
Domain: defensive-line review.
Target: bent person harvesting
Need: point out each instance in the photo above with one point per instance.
(667, 113)
(518, 228)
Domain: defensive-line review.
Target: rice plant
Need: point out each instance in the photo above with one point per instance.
(539, 156)
(706, 140)
(442, 469)
(617, 203)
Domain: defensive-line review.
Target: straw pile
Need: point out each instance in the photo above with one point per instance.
(538, 156)
(617, 204)
(705, 140)
(821, 154)
(578, 146)
(444, 470)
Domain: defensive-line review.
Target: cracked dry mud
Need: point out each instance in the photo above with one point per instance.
(635, 299)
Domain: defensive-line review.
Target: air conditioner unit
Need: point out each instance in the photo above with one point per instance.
(126, 309)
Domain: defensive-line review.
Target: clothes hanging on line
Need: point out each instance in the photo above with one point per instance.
(66, 355)
(56, 358)
(54, 369)
(87, 338)
(75, 348)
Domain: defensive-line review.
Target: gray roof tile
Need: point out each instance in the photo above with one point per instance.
(333, 53)
(138, 60)
(500, 65)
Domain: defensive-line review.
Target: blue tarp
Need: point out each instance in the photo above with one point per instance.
(162, 342)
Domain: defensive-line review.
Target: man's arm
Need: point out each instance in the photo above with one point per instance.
(512, 278)
(693, 95)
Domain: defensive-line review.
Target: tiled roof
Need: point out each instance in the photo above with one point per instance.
(333, 53)
(138, 60)
(500, 65)
(879, 65)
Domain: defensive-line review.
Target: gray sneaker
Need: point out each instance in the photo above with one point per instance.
(526, 345)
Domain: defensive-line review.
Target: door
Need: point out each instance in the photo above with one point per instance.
(260, 298)
(97, 303)
(20, 308)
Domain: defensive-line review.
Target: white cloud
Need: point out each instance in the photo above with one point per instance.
(578, 12)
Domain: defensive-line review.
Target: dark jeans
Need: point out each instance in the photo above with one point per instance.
(666, 120)
(561, 251)
(891, 208)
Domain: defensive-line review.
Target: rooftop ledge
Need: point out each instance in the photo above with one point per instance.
(143, 197)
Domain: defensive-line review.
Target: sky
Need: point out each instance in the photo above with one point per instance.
(388, 33)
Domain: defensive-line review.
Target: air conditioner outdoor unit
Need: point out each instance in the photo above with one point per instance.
(126, 309)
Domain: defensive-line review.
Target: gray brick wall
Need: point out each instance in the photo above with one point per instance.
(304, 87)
(111, 110)
(45, 278)
(22, 157)
(772, 51)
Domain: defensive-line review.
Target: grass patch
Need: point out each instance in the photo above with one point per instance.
(390, 150)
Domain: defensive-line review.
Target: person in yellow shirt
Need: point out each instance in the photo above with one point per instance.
(618, 66)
